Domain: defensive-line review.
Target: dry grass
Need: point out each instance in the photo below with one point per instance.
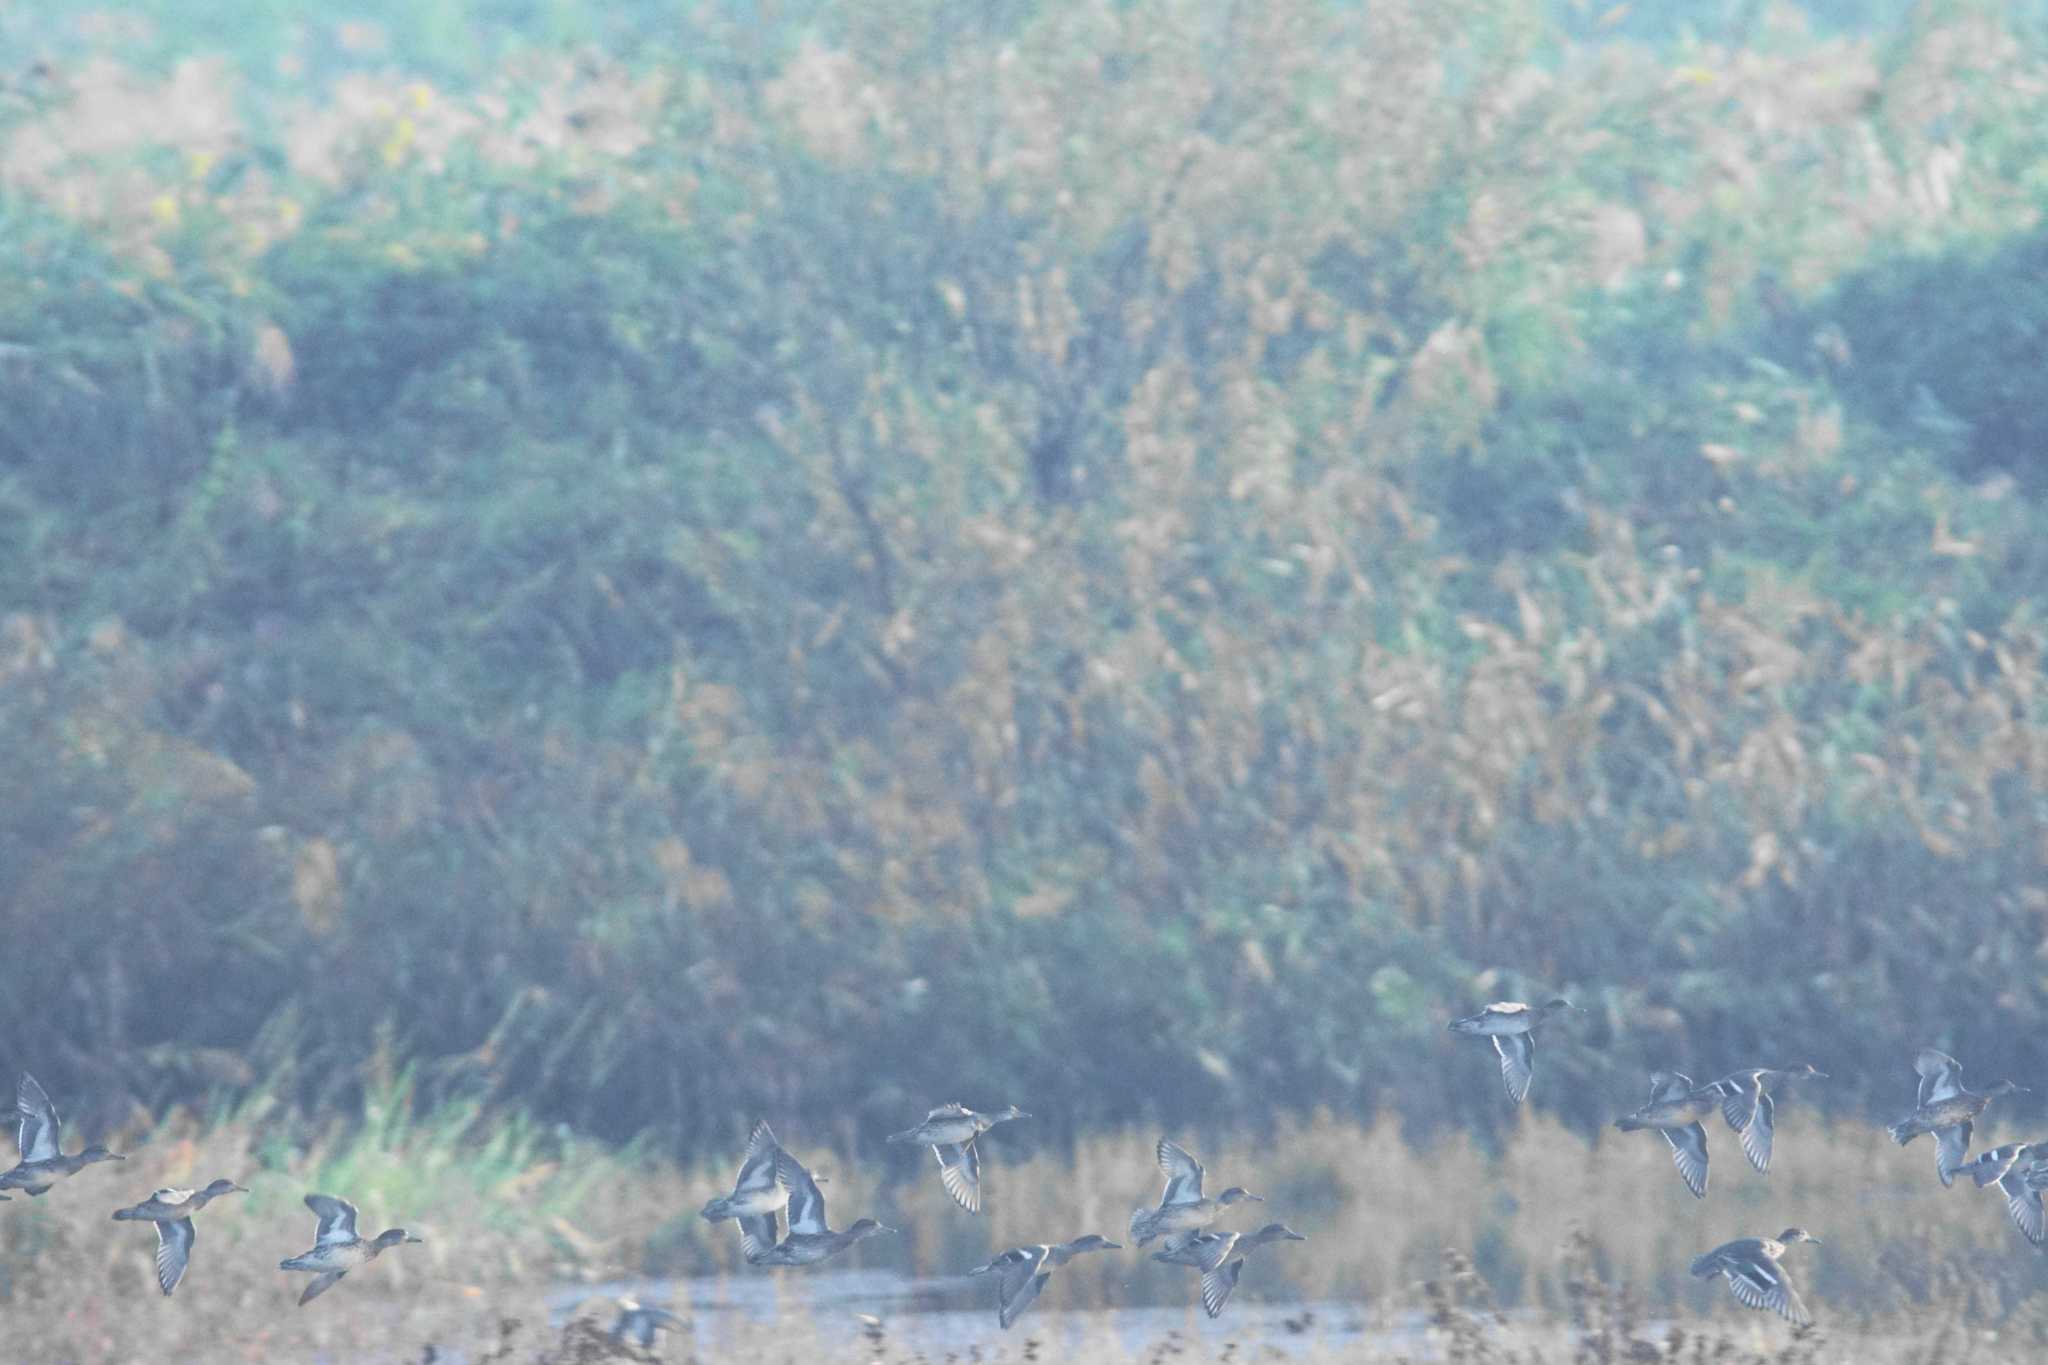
(1578, 1251)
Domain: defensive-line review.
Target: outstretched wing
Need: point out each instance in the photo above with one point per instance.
(337, 1219)
(37, 1135)
(1689, 1153)
(1757, 1134)
(806, 1204)
(2023, 1202)
(1941, 1076)
(1183, 1175)
(1217, 1284)
(1762, 1284)
(1013, 1307)
(1951, 1146)
(757, 1236)
(960, 1173)
(173, 1249)
(321, 1284)
(1517, 1062)
(757, 1171)
(1738, 1098)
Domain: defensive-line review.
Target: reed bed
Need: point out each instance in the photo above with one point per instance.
(1559, 1243)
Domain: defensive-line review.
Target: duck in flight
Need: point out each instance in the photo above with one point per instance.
(171, 1210)
(810, 1239)
(1022, 1271)
(1747, 1108)
(1946, 1110)
(2021, 1170)
(1511, 1025)
(757, 1195)
(950, 1131)
(1220, 1257)
(1675, 1109)
(1754, 1275)
(1182, 1207)
(336, 1247)
(40, 1136)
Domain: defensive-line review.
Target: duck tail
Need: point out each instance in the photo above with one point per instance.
(124, 1215)
(1705, 1266)
(909, 1135)
(1905, 1130)
(1629, 1123)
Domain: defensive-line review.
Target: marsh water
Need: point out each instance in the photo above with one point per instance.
(956, 1314)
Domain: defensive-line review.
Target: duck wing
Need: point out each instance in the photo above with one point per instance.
(1217, 1284)
(806, 1203)
(321, 1284)
(1013, 1307)
(757, 1236)
(2023, 1202)
(1183, 1175)
(1761, 1283)
(1756, 1135)
(38, 1134)
(757, 1169)
(960, 1173)
(1517, 1062)
(1689, 1154)
(173, 1250)
(1738, 1097)
(337, 1220)
(1951, 1146)
(1941, 1076)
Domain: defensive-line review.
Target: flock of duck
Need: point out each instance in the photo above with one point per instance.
(773, 1183)
(336, 1247)
(1751, 1265)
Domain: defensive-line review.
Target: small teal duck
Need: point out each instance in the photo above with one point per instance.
(1747, 1108)
(1022, 1271)
(1754, 1275)
(1675, 1109)
(171, 1210)
(1182, 1207)
(638, 1324)
(1511, 1025)
(336, 1247)
(1220, 1258)
(810, 1239)
(950, 1131)
(2021, 1169)
(1946, 1110)
(42, 1164)
(757, 1196)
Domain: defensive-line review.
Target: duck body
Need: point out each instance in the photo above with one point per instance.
(1755, 1277)
(1021, 1272)
(1675, 1109)
(336, 1247)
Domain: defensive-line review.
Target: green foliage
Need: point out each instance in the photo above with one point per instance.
(1135, 560)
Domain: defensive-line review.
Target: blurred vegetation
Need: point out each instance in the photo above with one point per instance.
(1132, 558)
